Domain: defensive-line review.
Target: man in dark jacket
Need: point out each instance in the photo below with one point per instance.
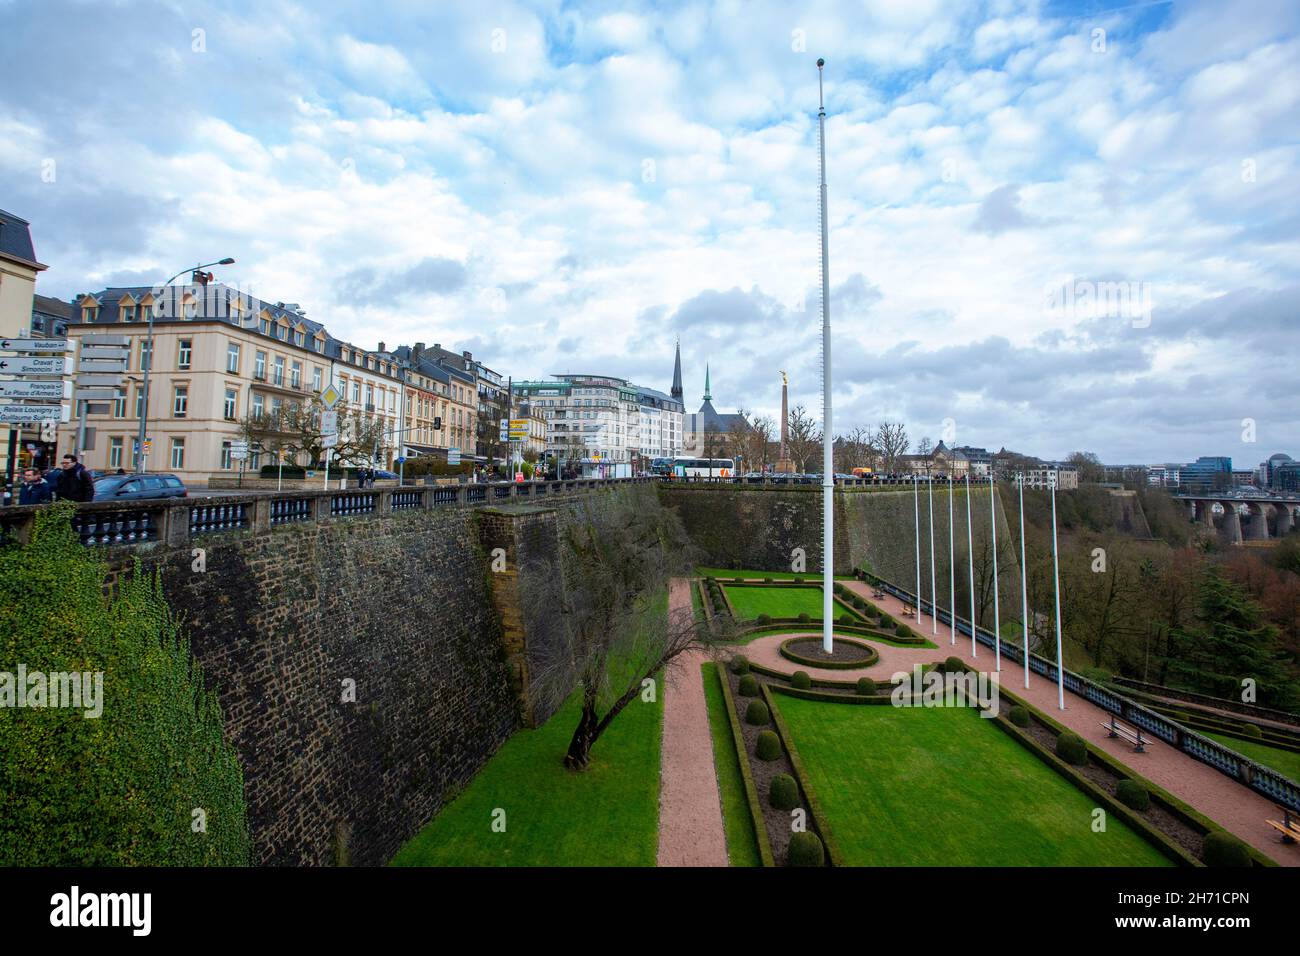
(75, 483)
(34, 490)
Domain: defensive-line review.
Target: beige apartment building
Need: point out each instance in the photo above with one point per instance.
(18, 271)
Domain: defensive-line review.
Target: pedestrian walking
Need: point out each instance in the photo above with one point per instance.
(75, 483)
(34, 490)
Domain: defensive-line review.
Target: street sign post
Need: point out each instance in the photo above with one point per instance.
(330, 395)
(34, 365)
(453, 456)
(34, 345)
(14, 414)
(38, 388)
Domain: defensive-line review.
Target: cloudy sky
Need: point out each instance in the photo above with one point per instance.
(1054, 226)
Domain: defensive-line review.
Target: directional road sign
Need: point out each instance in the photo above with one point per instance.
(34, 345)
(34, 365)
(330, 395)
(15, 414)
(37, 388)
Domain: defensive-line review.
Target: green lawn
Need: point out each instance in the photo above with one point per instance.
(774, 575)
(749, 602)
(943, 787)
(741, 848)
(1283, 761)
(605, 816)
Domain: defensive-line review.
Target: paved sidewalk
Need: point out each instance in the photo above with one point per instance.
(691, 832)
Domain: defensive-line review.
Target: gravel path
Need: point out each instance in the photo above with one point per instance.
(690, 808)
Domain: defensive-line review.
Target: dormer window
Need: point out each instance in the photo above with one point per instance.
(128, 313)
(264, 326)
(89, 313)
(299, 337)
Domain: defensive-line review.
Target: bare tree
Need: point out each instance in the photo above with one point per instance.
(891, 439)
(602, 623)
(1089, 467)
(924, 446)
(750, 439)
(296, 429)
(805, 438)
(854, 450)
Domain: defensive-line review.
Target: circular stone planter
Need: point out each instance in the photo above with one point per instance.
(849, 654)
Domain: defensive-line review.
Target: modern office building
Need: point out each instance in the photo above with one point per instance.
(1207, 473)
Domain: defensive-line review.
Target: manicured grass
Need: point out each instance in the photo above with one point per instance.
(606, 816)
(749, 602)
(721, 573)
(944, 787)
(741, 848)
(1283, 761)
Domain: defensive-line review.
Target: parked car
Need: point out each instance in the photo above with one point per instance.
(138, 487)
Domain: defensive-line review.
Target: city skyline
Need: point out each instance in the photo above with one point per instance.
(1095, 200)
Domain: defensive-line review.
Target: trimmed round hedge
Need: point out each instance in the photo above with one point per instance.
(1133, 794)
(757, 713)
(764, 620)
(866, 687)
(869, 654)
(1071, 748)
(1250, 730)
(748, 686)
(768, 746)
(800, 680)
(804, 618)
(954, 665)
(1019, 716)
(902, 630)
(806, 850)
(740, 664)
(1221, 848)
(783, 793)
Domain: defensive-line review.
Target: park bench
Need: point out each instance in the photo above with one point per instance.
(908, 610)
(1131, 734)
(878, 594)
(1288, 825)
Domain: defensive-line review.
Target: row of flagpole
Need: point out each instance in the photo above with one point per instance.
(970, 553)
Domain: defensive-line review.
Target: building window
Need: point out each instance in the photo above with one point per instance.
(185, 354)
(356, 393)
(146, 313)
(315, 379)
(89, 313)
(299, 337)
(276, 404)
(279, 370)
(259, 366)
(232, 358)
(128, 313)
(146, 354)
(259, 405)
(227, 462)
(119, 404)
(295, 374)
(231, 402)
(264, 326)
(115, 452)
(139, 402)
(178, 453)
(180, 401)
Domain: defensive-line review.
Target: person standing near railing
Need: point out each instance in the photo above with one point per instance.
(34, 490)
(75, 483)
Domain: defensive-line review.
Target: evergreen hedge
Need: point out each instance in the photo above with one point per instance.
(806, 849)
(122, 789)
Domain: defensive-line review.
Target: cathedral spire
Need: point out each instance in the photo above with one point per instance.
(677, 373)
(707, 396)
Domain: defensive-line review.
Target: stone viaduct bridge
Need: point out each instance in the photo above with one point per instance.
(1244, 519)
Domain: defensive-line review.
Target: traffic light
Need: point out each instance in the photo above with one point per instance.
(437, 423)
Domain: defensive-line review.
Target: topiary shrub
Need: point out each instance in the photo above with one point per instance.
(756, 713)
(806, 850)
(1250, 730)
(740, 664)
(902, 630)
(804, 618)
(1019, 716)
(767, 580)
(954, 665)
(1133, 794)
(846, 619)
(800, 680)
(866, 687)
(764, 619)
(768, 746)
(1221, 848)
(1071, 748)
(783, 793)
(118, 787)
(748, 686)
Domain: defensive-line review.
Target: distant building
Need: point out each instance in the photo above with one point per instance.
(708, 433)
(1244, 478)
(1270, 468)
(1287, 477)
(1067, 476)
(979, 461)
(50, 317)
(1207, 473)
(18, 271)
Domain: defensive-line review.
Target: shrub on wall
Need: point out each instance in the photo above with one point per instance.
(1221, 848)
(120, 788)
(768, 746)
(749, 686)
(783, 793)
(806, 850)
(1133, 794)
(1071, 748)
(756, 713)
(801, 680)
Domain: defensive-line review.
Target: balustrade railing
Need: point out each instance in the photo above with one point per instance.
(118, 526)
(214, 519)
(290, 510)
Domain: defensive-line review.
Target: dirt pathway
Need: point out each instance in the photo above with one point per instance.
(690, 808)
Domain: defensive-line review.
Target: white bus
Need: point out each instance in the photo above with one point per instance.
(703, 468)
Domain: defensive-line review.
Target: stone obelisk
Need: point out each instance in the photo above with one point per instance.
(783, 464)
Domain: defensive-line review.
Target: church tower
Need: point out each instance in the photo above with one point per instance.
(677, 374)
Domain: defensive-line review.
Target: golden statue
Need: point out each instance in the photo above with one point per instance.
(783, 378)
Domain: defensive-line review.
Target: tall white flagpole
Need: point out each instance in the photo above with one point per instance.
(970, 556)
(828, 468)
(1024, 589)
(952, 566)
(916, 505)
(1056, 574)
(997, 618)
(934, 597)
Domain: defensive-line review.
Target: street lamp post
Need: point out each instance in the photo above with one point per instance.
(144, 397)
